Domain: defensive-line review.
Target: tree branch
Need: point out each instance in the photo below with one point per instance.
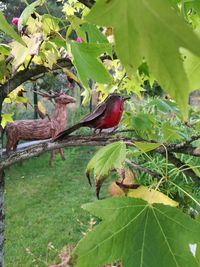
(88, 140)
(184, 147)
(48, 145)
(25, 75)
(88, 3)
(136, 166)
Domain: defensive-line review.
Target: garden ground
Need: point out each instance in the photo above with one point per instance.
(43, 207)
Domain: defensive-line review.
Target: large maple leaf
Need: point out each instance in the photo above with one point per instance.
(139, 235)
(153, 31)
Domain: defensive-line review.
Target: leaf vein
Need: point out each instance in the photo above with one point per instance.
(168, 245)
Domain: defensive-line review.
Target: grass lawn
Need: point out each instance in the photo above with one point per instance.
(43, 206)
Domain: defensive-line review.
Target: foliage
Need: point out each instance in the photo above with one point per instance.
(45, 39)
(84, 60)
(5, 26)
(107, 158)
(155, 234)
(127, 47)
(139, 46)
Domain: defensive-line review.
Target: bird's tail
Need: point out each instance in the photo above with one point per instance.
(66, 132)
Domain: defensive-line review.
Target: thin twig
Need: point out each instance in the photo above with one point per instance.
(141, 168)
(188, 172)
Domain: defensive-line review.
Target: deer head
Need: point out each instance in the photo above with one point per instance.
(60, 98)
(65, 99)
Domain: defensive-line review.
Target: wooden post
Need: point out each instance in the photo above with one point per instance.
(2, 216)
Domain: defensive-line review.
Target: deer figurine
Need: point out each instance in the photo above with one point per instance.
(40, 129)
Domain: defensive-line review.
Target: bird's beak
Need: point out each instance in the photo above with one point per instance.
(126, 98)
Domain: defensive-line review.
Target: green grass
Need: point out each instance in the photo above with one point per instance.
(43, 205)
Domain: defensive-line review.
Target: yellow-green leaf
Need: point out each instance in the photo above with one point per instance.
(86, 62)
(146, 147)
(107, 158)
(151, 196)
(6, 117)
(153, 31)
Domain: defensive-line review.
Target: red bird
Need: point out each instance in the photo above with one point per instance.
(106, 115)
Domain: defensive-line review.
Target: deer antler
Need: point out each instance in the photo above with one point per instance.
(50, 95)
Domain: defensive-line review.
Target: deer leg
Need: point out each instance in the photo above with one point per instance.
(51, 157)
(62, 153)
(53, 152)
(9, 146)
(15, 146)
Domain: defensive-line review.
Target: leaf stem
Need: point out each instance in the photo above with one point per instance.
(185, 192)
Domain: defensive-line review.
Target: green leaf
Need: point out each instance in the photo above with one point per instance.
(28, 11)
(21, 99)
(2, 69)
(93, 33)
(143, 122)
(7, 100)
(192, 4)
(198, 253)
(50, 24)
(6, 117)
(4, 49)
(163, 105)
(192, 68)
(75, 24)
(20, 52)
(138, 234)
(59, 41)
(107, 158)
(87, 64)
(5, 26)
(146, 147)
(170, 132)
(150, 30)
(49, 54)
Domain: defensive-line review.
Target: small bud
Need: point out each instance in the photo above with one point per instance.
(79, 40)
(15, 21)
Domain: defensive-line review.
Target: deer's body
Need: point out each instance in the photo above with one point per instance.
(39, 129)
